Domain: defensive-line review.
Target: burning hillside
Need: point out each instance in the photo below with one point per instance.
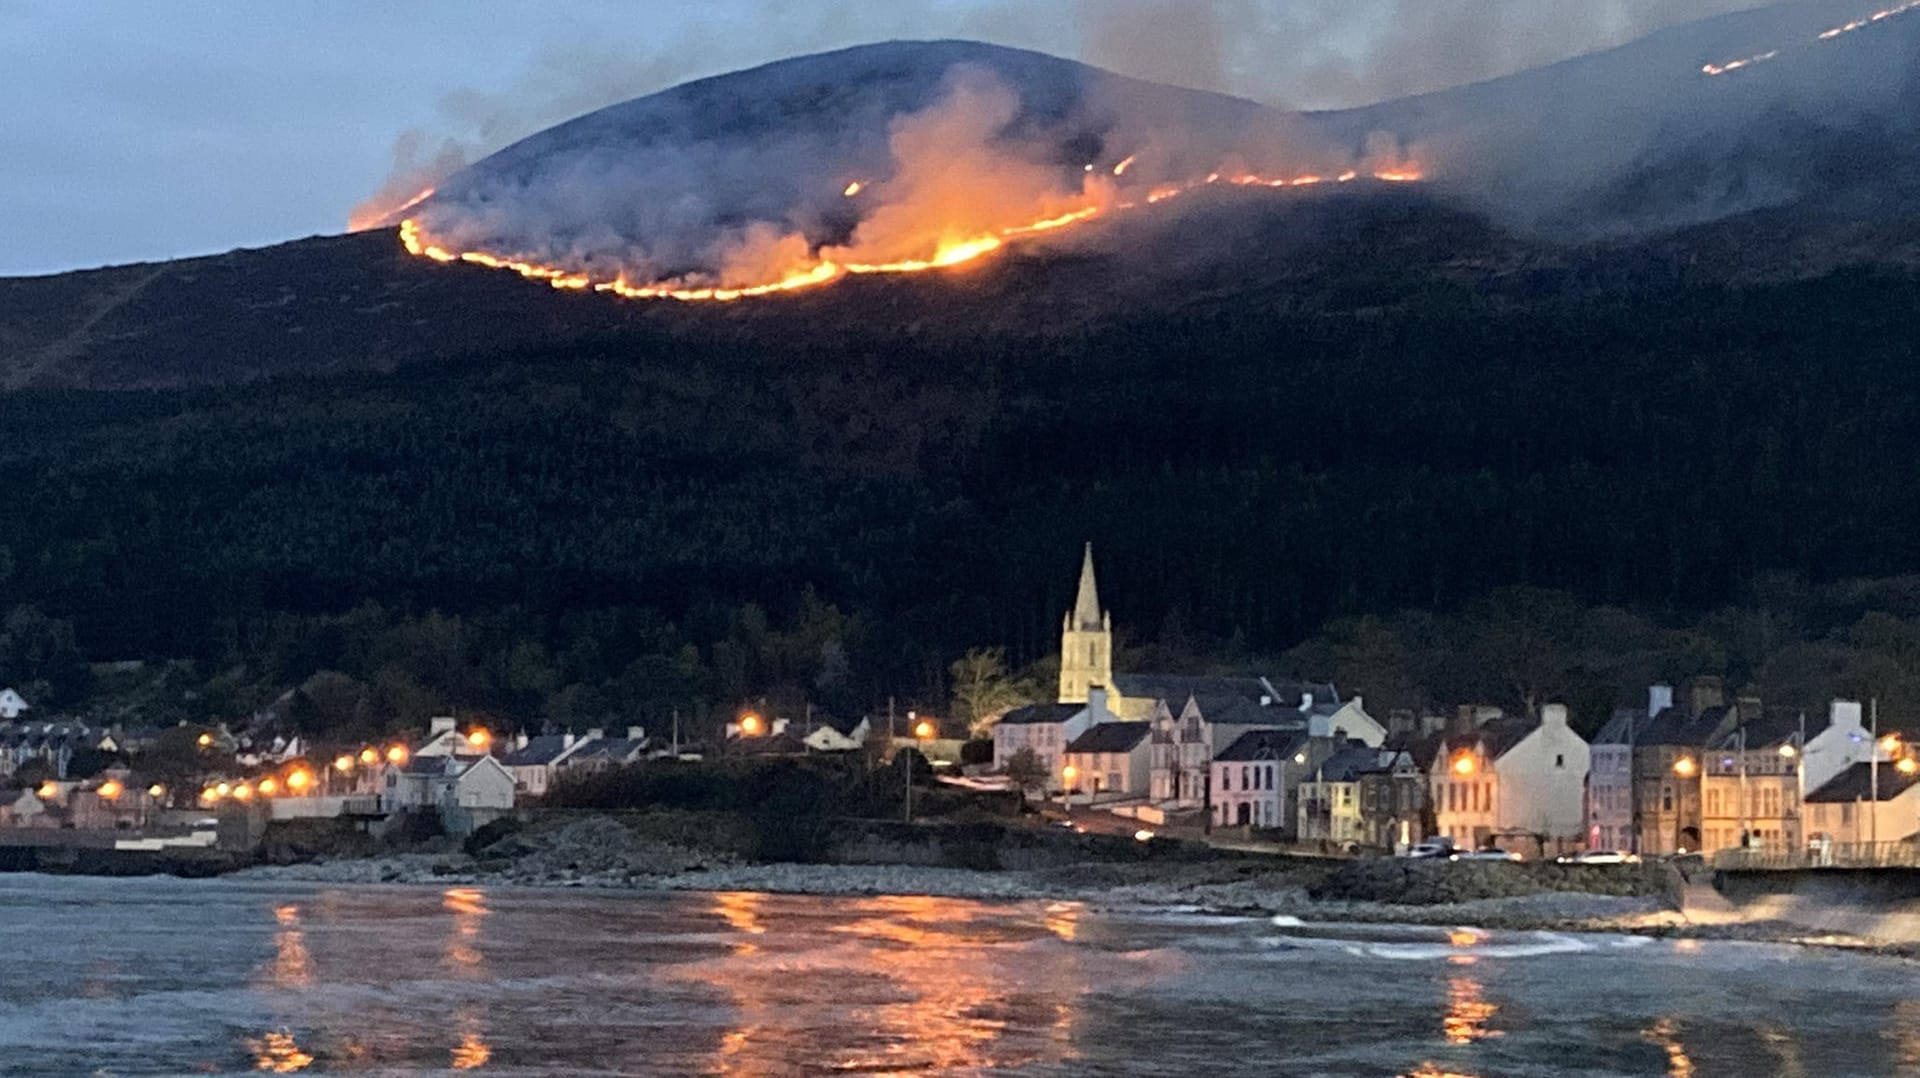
(890, 159)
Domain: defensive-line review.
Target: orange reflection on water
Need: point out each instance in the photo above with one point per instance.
(931, 985)
(277, 1053)
(473, 1051)
(1666, 1034)
(1468, 1012)
(1430, 1069)
(292, 965)
(469, 908)
(1904, 1031)
(1063, 920)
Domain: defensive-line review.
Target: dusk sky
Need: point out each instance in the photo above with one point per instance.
(135, 130)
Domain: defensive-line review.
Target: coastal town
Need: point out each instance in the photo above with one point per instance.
(1250, 761)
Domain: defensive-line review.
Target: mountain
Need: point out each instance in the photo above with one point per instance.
(1268, 408)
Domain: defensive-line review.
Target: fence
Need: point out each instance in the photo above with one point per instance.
(1833, 855)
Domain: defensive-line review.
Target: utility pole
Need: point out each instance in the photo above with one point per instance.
(1633, 786)
(1746, 824)
(676, 733)
(1873, 755)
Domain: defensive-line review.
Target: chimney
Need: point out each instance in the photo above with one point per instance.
(636, 733)
(1306, 701)
(595, 734)
(1705, 691)
(1659, 698)
(1845, 714)
(1401, 722)
(1465, 720)
(566, 740)
(1554, 715)
(520, 740)
(1432, 724)
(441, 725)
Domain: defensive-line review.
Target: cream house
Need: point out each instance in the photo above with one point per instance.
(1515, 782)
(1109, 761)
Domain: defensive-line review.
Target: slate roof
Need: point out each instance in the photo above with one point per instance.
(1674, 726)
(1264, 745)
(1628, 726)
(1772, 728)
(439, 765)
(1240, 711)
(1498, 736)
(1856, 784)
(1111, 737)
(844, 727)
(539, 750)
(1422, 748)
(1040, 714)
(1175, 688)
(609, 748)
(1348, 764)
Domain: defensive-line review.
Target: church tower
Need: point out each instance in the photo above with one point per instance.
(1086, 641)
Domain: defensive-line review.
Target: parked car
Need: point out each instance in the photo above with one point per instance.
(1488, 855)
(1430, 850)
(1601, 857)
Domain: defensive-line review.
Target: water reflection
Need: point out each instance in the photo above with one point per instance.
(1469, 1013)
(278, 1053)
(927, 984)
(1666, 1034)
(1785, 1049)
(464, 959)
(1904, 1032)
(292, 965)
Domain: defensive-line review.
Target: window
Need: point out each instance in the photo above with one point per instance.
(1243, 779)
(1226, 778)
(1560, 761)
(1666, 799)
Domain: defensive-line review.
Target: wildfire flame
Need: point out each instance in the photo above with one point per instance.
(1713, 70)
(380, 216)
(825, 268)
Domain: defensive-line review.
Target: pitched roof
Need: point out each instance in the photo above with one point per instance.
(1263, 745)
(1241, 711)
(611, 748)
(1039, 714)
(1498, 736)
(1771, 728)
(1176, 688)
(1111, 737)
(1625, 727)
(1675, 726)
(1349, 763)
(539, 750)
(1856, 784)
(843, 727)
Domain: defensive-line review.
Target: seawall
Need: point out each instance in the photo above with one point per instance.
(1881, 904)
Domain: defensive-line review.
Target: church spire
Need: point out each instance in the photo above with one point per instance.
(1086, 609)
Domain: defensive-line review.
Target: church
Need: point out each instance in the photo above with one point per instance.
(1195, 718)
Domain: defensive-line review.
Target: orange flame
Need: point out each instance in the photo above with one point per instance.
(1840, 31)
(947, 253)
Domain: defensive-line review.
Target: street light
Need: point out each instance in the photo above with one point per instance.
(1789, 751)
(924, 730)
(752, 725)
(368, 756)
(204, 740)
(243, 792)
(397, 755)
(48, 790)
(156, 791)
(343, 764)
(269, 786)
(1907, 765)
(1463, 764)
(109, 791)
(479, 739)
(1685, 767)
(298, 780)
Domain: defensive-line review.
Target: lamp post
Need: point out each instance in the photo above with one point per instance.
(923, 732)
(1685, 768)
(1068, 776)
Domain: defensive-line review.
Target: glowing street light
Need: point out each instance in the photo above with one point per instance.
(298, 780)
(343, 764)
(924, 730)
(204, 740)
(369, 756)
(269, 786)
(110, 790)
(222, 789)
(397, 755)
(156, 791)
(1890, 744)
(1789, 751)
(479, 739)
(1463, 764)
(1685, 767)
(48, 790)
(752, 725)
(211, 795)
(243, 792)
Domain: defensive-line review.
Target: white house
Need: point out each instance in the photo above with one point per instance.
(1253, 777)
(1047, 729)
(838, 735)
(1185, 747)
(12, 706)
(1843, 809)
(534, 762)
(1109, 761)
(1512, 781)
(447, 782)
